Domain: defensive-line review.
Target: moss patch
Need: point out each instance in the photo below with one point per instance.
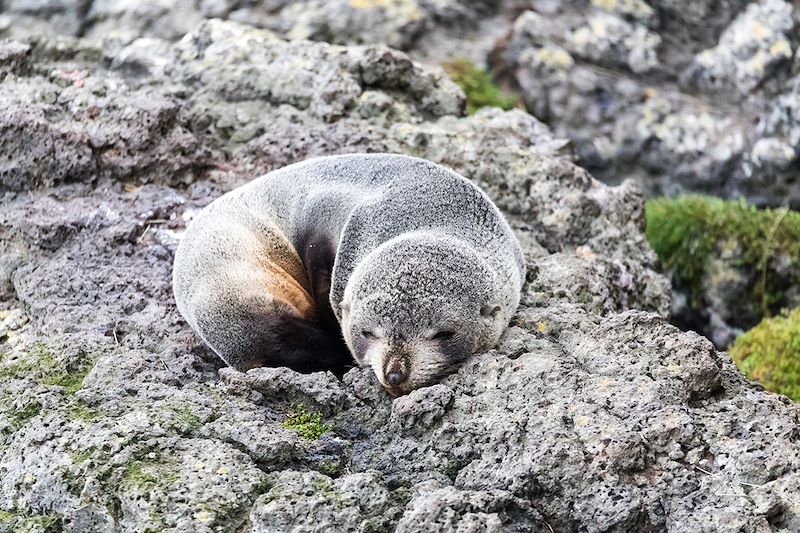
(71, 381)
(308, 425)
(146, 476)
(22, 416)
(187, 421)
(686, 231)
(478, 86)
(330, 468)
(19, 523)
(137, 475)
(39, 360)
(39, 363)
(770, 354)
(81, 456)
(82, 412)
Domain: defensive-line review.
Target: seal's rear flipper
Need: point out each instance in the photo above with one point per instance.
(304, 346)
(248, 338)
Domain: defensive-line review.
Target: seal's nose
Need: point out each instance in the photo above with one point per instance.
(395, 378)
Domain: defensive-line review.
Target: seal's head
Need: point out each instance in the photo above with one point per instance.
(417, 306)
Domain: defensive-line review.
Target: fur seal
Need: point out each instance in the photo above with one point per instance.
(408, 262)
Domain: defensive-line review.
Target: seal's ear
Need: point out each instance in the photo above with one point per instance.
(344, 307)
(490, 310)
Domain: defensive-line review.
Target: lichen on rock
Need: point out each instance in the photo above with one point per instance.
(748, 50)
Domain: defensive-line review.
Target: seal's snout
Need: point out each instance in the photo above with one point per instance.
(396, 370)
(396, 378)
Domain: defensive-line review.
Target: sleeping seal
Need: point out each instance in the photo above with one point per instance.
(407, 262)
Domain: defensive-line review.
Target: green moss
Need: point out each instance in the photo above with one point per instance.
(770, 354)
(22, 416)
(327, 490)
(478, 86)
(686, 231)
(308, 425)
(81, 456)
(450, 469)
(187, 417)
(74, 482)
(137, 475)
(261, 487)
(148, 475)
(39, 360)
(330, 468)
(400, 496)
(81, 412)
(19, 523)
(40, 364)
(71, 381)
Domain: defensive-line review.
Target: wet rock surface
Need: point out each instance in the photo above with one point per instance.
(593, 413)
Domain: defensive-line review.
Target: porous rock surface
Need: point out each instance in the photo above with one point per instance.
(680, 95)
(593, 413)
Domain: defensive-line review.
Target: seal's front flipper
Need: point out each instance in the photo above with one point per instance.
(318, 254)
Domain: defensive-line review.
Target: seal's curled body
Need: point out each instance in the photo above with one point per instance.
(408, 262)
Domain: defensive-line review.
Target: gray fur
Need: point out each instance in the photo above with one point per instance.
(418, 250)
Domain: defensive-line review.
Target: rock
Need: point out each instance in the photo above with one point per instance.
(695, 23)
(444, 508)
(607, 38)
(421, 408)
(396, 24)
(593, 413)
(13, 58)
(320, 391)
(748, 50)
(671, 113)
(61, 129)
(215, 54)
(312, 501)
(663, 92)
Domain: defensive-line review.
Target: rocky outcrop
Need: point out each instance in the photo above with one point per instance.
(593, 414)
(667, 108)
(677, 95)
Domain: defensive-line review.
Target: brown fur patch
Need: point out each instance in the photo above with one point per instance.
(284, 275)
(284, 287)
(274, 264)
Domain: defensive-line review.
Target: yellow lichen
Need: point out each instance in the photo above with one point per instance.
(635, 8)
(397, 8)
(581, 37)
(608, 5)
(555, 58)
(781, 48)
(758, 30)
(205, 517)
(599, 27)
